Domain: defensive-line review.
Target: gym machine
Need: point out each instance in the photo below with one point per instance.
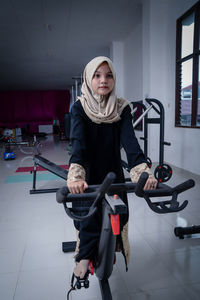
(188, 231)
(49, 166)
(112, 207)
(162, 172)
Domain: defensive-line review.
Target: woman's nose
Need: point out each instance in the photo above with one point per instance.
(103, 78)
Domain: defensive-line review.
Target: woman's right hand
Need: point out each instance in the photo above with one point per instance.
(77, 187)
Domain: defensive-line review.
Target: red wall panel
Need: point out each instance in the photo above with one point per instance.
(33, 108)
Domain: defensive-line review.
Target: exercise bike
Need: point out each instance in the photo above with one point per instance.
(112, 207)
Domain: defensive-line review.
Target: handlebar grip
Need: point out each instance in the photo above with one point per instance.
(61, 194)
(140, 184)
(106, 184)
(184, 186)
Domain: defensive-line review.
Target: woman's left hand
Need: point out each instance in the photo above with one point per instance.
(151, 183)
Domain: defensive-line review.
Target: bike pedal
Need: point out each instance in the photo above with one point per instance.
(82, 282)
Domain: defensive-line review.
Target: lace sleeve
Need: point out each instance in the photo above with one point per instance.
(136, 171)
(76, 172)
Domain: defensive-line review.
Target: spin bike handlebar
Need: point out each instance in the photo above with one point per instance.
(97, 192)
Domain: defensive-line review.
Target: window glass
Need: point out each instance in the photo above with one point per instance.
(199, 37)
(198, 105)
(186, 92)
(187, 35)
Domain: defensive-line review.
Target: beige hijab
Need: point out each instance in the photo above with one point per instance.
(100, 109)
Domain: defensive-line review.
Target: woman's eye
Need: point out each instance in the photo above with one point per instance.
(96, 75)
(109, 76)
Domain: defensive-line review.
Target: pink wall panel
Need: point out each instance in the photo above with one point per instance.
(19, 108)
(35, 106)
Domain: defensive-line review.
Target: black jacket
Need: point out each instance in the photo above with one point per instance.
(96, 147)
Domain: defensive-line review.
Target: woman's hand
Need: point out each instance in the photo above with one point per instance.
(136, 171)
(77, 187)
(151, 183)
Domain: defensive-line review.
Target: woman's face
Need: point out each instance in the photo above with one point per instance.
(103, 81)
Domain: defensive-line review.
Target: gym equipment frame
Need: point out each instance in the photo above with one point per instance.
(112, 207)
(162, 172)
(51, 167)
(188, 231)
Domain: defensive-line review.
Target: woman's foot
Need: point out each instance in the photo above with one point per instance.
(81, 268)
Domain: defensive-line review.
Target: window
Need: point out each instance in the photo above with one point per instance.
(188, 69)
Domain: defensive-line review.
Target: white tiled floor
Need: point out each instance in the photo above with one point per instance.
(33, 227)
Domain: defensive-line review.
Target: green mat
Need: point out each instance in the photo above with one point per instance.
(29, 178)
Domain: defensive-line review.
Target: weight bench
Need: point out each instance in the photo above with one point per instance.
(51, 167)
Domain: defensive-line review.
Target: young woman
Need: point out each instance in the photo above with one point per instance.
(100, 123)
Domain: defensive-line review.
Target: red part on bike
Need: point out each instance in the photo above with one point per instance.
(91, 268)
(115, 222)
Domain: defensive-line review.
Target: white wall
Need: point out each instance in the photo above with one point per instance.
(117, 56)
(161, 36)
(127, 57)
(133, 60)
(154, 67)
(148, 68)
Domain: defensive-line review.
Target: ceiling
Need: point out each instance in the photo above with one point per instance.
(44, 43)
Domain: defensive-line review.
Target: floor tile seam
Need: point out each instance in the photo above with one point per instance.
(170, 270)
(195, 251)
(43, 269)
(26, 233)
(170, 222)
(7, 273)
(153, 232)
(22, 259)
(150, 291)
(162, 263)
(185, 284)
(124, 281)
(158, 289)
(172, 252)
(190, 297)
(144, 235)
(19, 272)
(144, 290)
(159, 254)
(191, 282)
